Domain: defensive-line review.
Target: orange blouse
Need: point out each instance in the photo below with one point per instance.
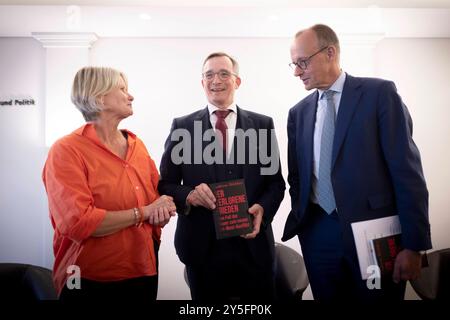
(83, 180)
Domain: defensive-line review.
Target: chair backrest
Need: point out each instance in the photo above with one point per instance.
(291, 279)
(26, 282)
(434, 281)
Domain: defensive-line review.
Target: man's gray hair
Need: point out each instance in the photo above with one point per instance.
(223, 54)
(325, 36)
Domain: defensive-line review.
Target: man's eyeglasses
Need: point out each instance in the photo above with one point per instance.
(223, 75)
(303, 63)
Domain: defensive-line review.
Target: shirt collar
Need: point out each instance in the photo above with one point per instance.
(337, 86)
(212, 108)
(88, 131)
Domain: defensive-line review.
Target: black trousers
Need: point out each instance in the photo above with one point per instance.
(230, 273)
(142, 289)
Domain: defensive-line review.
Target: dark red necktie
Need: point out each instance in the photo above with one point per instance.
(222, 126)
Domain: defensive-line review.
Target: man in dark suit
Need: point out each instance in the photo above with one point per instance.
(238, 267)
(351, 158)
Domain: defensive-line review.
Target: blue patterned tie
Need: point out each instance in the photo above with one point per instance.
(325, 193)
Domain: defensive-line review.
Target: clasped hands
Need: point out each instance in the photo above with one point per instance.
(160, 211)
(203, 196)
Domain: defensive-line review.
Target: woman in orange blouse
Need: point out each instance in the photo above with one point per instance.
(103, 200)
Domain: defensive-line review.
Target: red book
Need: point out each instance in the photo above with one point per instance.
(231, 217)
(385, 251)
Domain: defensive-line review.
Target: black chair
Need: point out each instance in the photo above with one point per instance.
(291, 279)
(24, 282)
(434, 281)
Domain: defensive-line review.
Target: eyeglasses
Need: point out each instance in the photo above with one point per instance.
(223, 75)
(303, 63)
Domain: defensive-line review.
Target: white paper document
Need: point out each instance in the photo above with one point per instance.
(365, 231)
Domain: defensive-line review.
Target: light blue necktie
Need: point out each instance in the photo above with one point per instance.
(325, 193)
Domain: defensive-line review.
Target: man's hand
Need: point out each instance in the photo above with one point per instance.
(257, 211)
(407, 266)
(202, 196)
(160, 211)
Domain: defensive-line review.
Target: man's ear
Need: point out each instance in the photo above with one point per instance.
(237, 82)
(331, 52)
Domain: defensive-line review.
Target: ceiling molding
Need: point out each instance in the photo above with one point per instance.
(65, 39)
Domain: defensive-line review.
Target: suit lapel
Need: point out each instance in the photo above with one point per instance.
(246, 122)
(244, 119)
(307, 142)
(349, 101)
(206, 124)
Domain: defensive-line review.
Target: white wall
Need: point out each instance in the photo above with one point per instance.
(23, 211)
(421, 70)
(164, 76)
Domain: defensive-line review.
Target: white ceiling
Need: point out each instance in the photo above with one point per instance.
(244, 3)
(280, 19)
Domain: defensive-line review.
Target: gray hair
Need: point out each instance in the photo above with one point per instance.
(89, 84)
(325, 36)
(223, 54)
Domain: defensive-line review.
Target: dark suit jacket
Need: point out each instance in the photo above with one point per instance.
(195, 232)
(376, 167)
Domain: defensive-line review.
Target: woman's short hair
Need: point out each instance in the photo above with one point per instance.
(89, 84)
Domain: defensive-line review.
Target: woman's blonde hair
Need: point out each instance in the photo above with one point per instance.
(89, 84)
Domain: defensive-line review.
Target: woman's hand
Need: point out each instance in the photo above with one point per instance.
(160, 211)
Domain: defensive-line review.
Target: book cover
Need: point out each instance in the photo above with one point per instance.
(385, 250)
(366, 230)
(231, 217)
